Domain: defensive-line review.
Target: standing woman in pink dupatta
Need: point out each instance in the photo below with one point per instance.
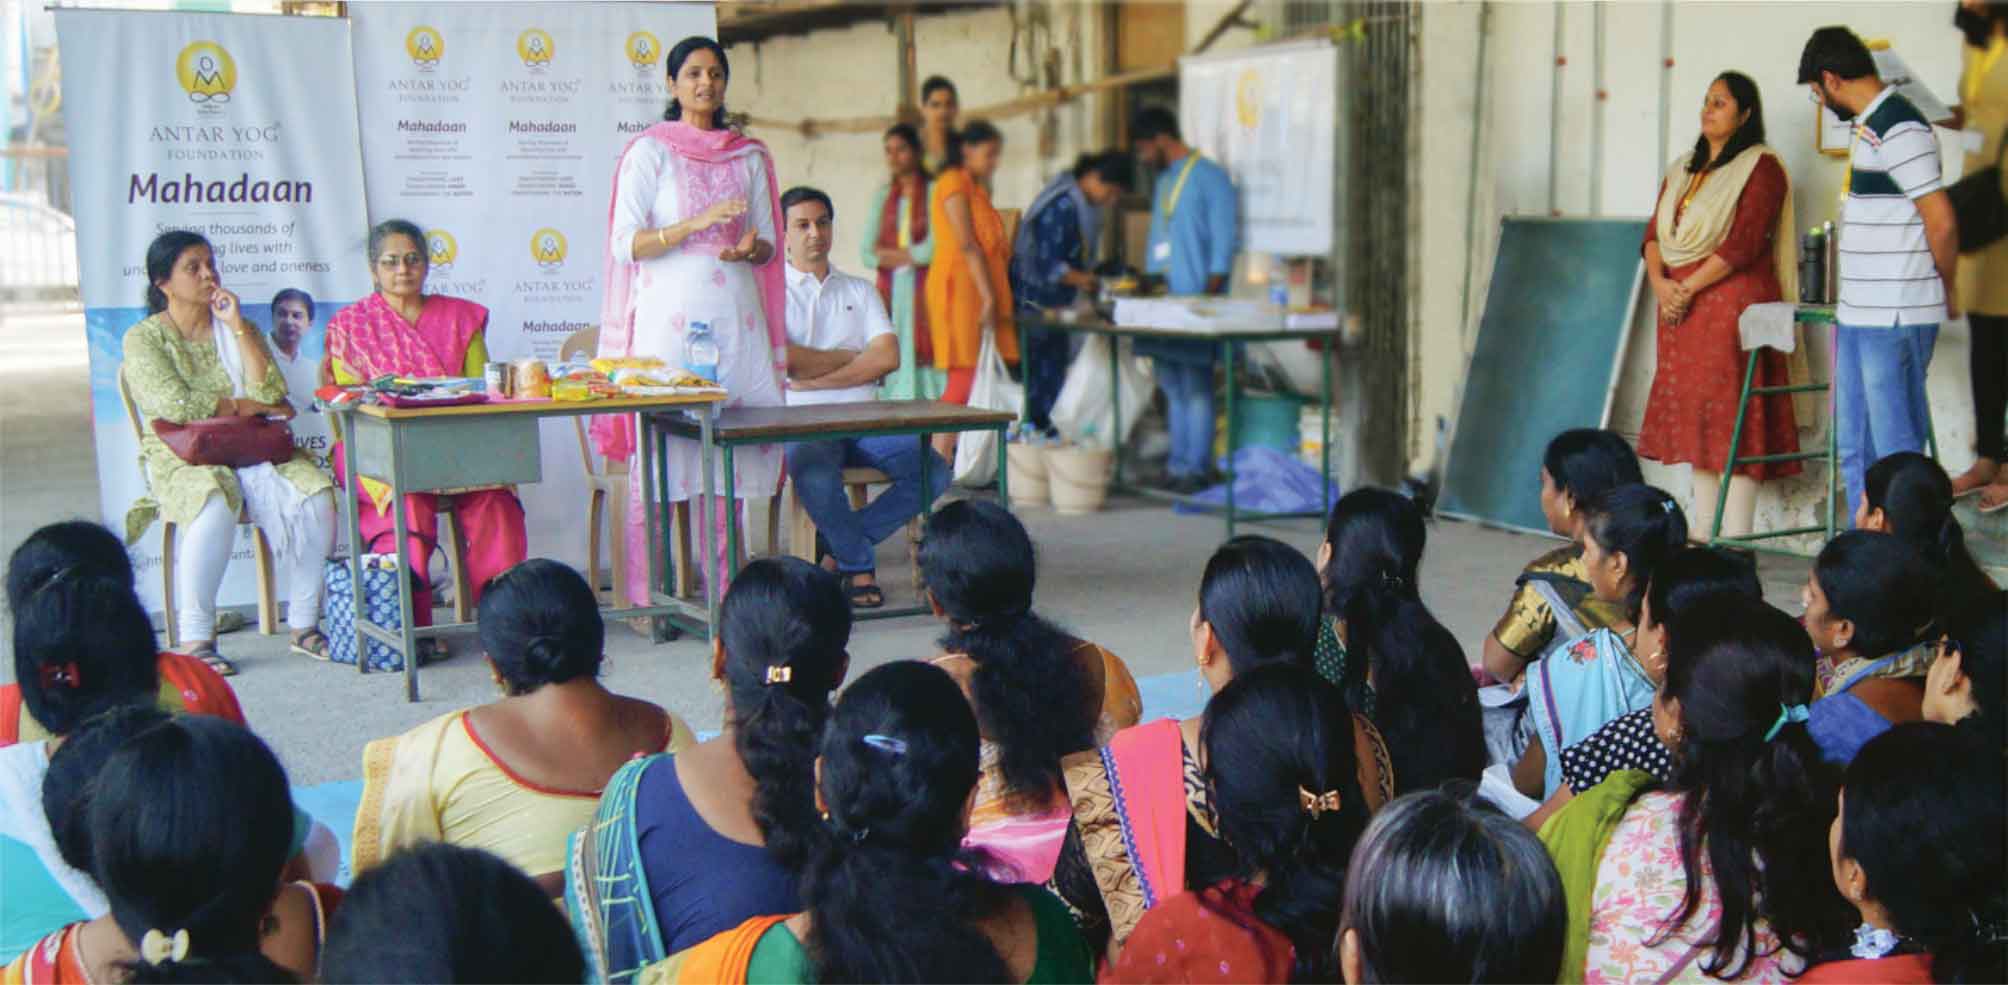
(401, 330)
(690, 238)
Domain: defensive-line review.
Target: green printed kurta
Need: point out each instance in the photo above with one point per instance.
(177, 380)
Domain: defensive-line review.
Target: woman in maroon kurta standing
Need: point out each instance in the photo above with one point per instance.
(1719, 242)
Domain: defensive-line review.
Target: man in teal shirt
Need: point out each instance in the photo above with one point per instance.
(1195, 230)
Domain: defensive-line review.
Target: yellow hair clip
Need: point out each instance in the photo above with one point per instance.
(158, 948)
(780, 674)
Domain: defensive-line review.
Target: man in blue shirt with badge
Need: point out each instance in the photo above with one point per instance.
(1195, 230)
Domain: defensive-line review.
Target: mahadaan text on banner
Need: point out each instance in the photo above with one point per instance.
(240, 128)
(496, 128)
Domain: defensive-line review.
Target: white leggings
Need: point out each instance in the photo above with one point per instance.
(203, 550)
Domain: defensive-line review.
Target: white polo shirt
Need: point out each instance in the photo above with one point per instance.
(840, 312)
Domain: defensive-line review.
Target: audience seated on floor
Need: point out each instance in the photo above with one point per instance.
(891, 891)
(1022, 675)
(1143, 827)
(1721, 870)
(186, 824)
(687, 846)
(1444, 888)
(1628, 532)
(516, 776)
(1280, 760)
(441, 913)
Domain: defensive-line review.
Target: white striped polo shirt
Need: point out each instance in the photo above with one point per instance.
(1887, 273)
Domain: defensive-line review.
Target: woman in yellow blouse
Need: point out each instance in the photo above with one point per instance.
(517, 776)
(195, 356)
(969, 284)
(1983, 274)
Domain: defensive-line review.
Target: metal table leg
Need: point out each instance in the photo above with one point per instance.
(352, 512)
(1003, 474)
(1116, 404)
(706, 446)
(1227, 357)
(408, 640)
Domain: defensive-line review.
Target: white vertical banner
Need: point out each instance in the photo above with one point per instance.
(495, 127)
(241, 128)
(1266, 114)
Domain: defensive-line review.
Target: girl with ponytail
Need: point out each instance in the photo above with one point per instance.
(1395, 661)
(685, 846)
(1722, 869)
(1909, 496)
(516, 776)
(889, 894)
(1143, 826)
(1280, 760)
(1918, 849)
(1038, 693)
(1629, 534)
(187, 824)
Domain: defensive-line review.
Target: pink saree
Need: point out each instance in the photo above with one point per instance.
(371, 339)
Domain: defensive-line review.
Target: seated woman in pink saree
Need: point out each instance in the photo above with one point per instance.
(690, 240)
(376, 337)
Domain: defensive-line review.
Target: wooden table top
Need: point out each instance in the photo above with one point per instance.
(741, 423)
(542, 408)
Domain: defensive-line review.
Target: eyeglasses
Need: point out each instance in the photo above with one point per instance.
(407, 260)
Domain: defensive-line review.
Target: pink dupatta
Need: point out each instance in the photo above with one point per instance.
(1146, 769)
(615, 435)
(372, 339)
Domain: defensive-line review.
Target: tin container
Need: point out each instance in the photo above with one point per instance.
(496, 376)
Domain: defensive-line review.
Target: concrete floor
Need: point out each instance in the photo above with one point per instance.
(1124, 578)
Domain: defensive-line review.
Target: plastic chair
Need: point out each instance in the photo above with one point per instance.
(802, 529)
(606, 487)
(268, 604)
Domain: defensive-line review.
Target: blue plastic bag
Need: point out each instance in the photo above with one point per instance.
(1265, 481)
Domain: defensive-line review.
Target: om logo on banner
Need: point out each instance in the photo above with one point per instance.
(536, 48)
(547, 247)
(644, 50)
(1248, 99)
(440, 249)
(206, 72)
(426, 46)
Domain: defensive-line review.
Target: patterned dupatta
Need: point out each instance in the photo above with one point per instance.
(372, 339)
(888, 239)
(615, 435)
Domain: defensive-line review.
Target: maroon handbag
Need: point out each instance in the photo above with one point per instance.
(233, 442)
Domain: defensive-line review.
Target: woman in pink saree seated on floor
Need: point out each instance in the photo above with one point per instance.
(690, 240)
(401, 330)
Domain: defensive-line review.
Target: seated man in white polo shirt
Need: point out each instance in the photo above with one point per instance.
(840, 344)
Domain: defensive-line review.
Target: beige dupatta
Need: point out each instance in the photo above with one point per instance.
(1708, 219)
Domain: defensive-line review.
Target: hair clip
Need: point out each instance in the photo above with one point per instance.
(1788, 713)
(1318, 805)
(157, 948)
(780, 674)
(886, 743)
(61, 675)
(1667, 506)
(1392, 580)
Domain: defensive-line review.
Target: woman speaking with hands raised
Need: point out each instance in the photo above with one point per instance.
(690, 242)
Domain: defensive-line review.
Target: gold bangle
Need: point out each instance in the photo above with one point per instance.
(660, 239)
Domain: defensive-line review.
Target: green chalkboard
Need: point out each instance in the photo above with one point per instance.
(1549, 343)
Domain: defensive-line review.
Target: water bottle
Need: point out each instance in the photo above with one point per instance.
(1813, 267)
(700, 351)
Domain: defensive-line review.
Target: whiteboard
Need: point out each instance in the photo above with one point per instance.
(1267, 114)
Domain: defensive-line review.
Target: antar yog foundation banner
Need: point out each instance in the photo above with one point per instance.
(241, 128)
(495, 127)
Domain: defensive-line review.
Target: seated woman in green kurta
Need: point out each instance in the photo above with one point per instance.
(195, 356)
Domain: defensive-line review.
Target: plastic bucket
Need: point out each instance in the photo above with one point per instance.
(1025, 465)
(1079, 478)
(1262, 420)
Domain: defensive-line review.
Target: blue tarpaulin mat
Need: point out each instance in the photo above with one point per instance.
(1265, 481)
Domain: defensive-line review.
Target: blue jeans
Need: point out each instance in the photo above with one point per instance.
(817, 470)
(1188, 398)
(1880, 407)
